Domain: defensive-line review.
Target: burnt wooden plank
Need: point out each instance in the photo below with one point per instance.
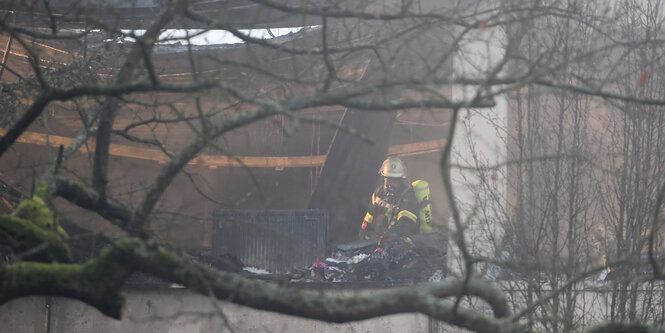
(350, 172)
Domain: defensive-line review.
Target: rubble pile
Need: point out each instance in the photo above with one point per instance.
(419, 257)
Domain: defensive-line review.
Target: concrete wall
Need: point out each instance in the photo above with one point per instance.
(178, 310)
(479, 149)
(181, 311)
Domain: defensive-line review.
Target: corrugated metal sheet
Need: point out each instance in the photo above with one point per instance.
(275, 240)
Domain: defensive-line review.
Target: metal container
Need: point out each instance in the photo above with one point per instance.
(278, 241)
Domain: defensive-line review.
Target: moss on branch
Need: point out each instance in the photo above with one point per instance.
(98, 282)
(33, 234)
(39, 214)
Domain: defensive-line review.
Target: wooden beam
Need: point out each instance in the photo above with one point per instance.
(215, 161)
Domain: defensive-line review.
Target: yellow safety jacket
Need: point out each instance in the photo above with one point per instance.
(391, 213)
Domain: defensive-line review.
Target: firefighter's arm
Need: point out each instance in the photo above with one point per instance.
(368, 222)
(407, 218)
(407, 222)
(367, 228)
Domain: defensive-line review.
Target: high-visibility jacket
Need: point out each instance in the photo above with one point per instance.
(391, 213)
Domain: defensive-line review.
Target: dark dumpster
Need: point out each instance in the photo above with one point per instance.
(278, 241)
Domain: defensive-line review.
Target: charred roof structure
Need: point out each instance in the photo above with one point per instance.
(322, 157)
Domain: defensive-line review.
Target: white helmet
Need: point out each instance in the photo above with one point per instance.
(393, 167)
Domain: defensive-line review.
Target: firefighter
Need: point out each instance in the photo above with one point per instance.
(394, 208)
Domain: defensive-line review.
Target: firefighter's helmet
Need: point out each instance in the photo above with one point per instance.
(393, 167)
